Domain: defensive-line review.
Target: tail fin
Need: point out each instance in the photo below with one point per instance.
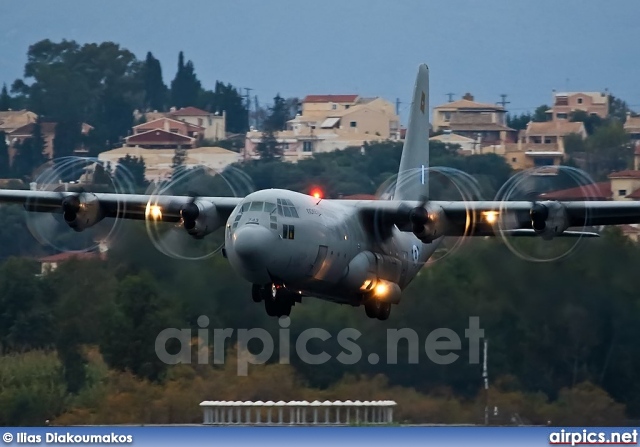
(412, 183)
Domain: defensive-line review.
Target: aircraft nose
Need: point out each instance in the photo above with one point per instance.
(251, 244)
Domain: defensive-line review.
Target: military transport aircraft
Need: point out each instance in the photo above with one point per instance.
(359, 252)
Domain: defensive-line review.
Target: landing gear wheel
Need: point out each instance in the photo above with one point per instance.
(279, 301)
(377, 309)
(384, 311)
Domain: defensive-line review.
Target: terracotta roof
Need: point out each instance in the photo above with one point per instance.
(596, 191)
(330, 98)
(157, 136)
(189, 111)
(629, 173)
(466, 104)
(634, 195)
(554, 128)
(61, 257)
(163, 119)
(28, 129)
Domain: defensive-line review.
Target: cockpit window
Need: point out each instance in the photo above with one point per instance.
(245, 206)
(286, 208)
(269, 207)
(256, 206)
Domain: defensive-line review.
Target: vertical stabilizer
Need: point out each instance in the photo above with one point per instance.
(412, 181)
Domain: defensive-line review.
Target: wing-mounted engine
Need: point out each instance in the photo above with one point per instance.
(81, 211)
(428, 223)
(200, 218)
(549, 219)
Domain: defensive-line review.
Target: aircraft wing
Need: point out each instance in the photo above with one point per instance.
(127, 206)
(487, 218)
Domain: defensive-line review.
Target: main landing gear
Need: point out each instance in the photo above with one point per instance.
(278, 301)
(375, 308)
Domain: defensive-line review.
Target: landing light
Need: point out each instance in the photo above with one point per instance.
(381, 289)
(490, 216)
(153, 211)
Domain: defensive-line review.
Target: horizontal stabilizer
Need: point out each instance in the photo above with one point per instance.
(524, 232)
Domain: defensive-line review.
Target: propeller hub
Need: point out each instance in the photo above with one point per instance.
(190, 212)
(539, 215)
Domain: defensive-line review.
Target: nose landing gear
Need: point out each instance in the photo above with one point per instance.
(278, 301)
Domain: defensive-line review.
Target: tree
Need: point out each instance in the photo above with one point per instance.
(5, 169)
(278, 115)
(133, 169)
(540, 114)
(226, 98)
(155, 92)
(29, 153)
(519, 122)
(185, 87)
(591, 121)
(618, 109)
(5, 99)
(268, 147)
(574, 143)
(67, 138)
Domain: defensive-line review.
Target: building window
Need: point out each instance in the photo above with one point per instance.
(514, 159)
(334, 106)
(307, 146)
(353, 124)
(446, 116)
(622, 192)
(579, 100)
(347, 106)
(561, 116)
(547, 141)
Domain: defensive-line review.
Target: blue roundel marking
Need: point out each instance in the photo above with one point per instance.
(415, 253)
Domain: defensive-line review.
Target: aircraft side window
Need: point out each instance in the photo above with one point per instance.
(285, 231)
(269, 207)
(256, 206)
(291, 231)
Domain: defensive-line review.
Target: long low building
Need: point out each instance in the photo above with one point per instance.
(159, 162)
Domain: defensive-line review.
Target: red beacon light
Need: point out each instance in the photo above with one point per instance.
(317, 193)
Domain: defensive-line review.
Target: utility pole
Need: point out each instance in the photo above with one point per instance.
(504, 101)
(450, 97)
(247, 97)
(398, 106)
(485, 377)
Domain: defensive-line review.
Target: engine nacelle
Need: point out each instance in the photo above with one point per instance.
(81, 211)
(428, 224)
(374, 274)
(201, 218)
(549, 219)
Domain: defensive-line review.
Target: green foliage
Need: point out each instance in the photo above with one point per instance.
(591, 121)
(155, 92)
(540, 114)
(132, 168)
(5, 99)
(185, 87)
(608, 150)
(519, 122)
(618, 109)
(67, 138)
(574, 143)
(278, 115)
(29, 154)
(268, 147)
(5, 169)
(226, 98)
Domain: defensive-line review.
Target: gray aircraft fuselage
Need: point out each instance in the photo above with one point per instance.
(316, 247)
